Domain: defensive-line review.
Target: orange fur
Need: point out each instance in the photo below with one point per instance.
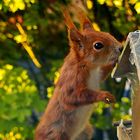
(77, 89)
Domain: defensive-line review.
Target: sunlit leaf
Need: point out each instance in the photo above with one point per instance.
(32, 1)
(18, 136)
(132, 1)
(126, 117)
(101, 1)
(89, 4)
(35, 27)
(20, 38)
(96, 27)
(50, 92)
(1, 136)
(2, 73)
(29, 27)
(57, 75)
(109, 3)
(22, 6)
(118, 3)
(13, 7)
(6, 2)
(137, 7)
(0, 6)
(116, 105)
(8, 67)
(125, 100)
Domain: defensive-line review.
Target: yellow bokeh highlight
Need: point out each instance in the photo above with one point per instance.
(96, 27)
(118, 3)
(0, 6)
(9, 35)
(89, 4)
(50, 92)
(6, 2)
(132, 1)
(11, 134)
(18, 136)
(2, 73)
(1, 136)
(57, 75)
(24, 75)
(125, 100)
(32, 1)
(116, 105)
(8, 67)
(101, 1)
(13, 138)
(137, 7)
(29, 27)
(109, 3)
(35, 27)
(19, 79)
(126, 117)
(20, 38)
(14, 134)
(22, 81)
(15, 5)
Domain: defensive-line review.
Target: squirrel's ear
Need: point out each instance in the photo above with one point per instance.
(76, 37)
(84, 21)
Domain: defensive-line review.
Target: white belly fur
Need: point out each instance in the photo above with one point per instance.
(83, 113)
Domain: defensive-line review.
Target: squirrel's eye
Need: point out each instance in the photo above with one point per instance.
(98, 45)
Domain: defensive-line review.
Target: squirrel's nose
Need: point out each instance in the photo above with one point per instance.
(119, 49)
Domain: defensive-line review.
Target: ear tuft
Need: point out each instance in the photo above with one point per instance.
(84, 21)
(67, 18)
(74, 35)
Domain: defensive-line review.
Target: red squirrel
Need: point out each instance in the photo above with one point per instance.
(91, 58)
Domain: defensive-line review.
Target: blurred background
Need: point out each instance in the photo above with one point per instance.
(33, 44)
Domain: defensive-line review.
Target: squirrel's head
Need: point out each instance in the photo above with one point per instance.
(88, 45)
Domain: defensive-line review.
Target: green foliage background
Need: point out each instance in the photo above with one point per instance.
(33, 44)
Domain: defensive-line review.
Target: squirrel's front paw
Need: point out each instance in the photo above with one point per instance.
(106, 97)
